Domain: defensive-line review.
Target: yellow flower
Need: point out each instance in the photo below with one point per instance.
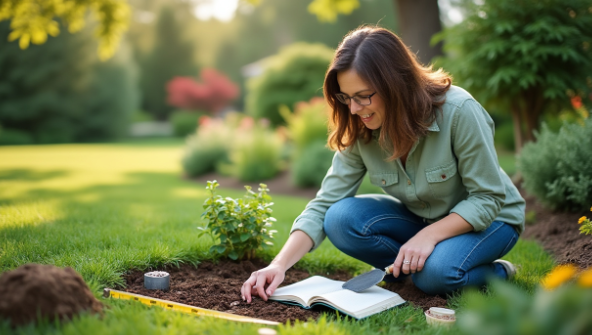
(585, 278)
(582, 219)
(559, 275)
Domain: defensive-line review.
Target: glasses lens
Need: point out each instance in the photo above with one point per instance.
(344, 99)
(362, 101)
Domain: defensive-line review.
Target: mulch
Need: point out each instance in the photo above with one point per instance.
(217, 286)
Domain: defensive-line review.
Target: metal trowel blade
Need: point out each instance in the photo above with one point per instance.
(364, 281)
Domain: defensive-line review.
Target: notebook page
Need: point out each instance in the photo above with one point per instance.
(308, 288)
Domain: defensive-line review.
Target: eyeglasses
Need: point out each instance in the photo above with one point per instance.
(362, 100)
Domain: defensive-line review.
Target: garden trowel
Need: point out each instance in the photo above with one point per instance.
(367, 280)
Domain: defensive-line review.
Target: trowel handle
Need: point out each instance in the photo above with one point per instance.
(389, 269)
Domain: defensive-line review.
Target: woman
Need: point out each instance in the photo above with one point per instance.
(449, 213)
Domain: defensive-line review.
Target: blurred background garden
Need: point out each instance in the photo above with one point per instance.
(112, 110)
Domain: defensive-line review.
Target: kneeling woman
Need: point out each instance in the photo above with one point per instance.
(449, 212)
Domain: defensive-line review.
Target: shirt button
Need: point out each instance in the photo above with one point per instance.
(443, 176)
(383, 182)
(408, 182)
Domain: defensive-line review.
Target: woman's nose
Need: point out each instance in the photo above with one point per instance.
(354, 107)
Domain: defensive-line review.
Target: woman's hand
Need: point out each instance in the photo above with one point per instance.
(412, 255)
(257, 284)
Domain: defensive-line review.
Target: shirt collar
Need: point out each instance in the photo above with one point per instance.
(434, 126)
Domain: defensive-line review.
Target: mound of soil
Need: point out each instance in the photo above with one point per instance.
(217, 287)
(47, 291)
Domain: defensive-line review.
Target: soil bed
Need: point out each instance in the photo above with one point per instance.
(217, 287)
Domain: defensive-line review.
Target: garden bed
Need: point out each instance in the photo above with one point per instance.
(217, 287)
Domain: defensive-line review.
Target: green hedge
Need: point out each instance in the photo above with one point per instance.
(557, 169)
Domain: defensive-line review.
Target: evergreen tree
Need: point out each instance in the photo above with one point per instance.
(51, 93)
(171, 56)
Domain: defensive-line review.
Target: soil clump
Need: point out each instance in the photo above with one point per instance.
(46, 291)
(217, 287)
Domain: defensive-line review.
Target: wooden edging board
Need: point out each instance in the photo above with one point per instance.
(175, 306)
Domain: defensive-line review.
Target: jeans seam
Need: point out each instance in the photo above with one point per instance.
(383, 217)
(475, 247)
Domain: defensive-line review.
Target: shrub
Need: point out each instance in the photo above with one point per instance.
(310, 169)
(14, 137)
(240, 225)
(214, 93)
(557, 169)
(207, 147)
(504, 136)
(256, 152)
(561, 305)
(185, 122)
(295, 74)
(307, 129)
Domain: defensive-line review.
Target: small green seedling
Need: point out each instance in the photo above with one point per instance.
(240, 225)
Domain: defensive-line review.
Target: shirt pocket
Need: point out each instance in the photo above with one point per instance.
(383, 179)
(443, 180)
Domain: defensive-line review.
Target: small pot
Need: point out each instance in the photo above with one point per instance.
(436, 316)
(157, 280)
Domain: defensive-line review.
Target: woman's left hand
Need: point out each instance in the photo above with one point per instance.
(412, 255)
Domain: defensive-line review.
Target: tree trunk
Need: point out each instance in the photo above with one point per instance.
(535, 103)
(517, 120)
(419, 20)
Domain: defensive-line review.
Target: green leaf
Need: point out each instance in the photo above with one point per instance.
(245, 237)
(233, 255)
(220, 249)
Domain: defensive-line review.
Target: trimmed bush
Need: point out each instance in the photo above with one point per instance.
(295, 74)
(557, 169)
(310, 169)
(185, 123)
(14, 137)
(307, 129)
(256, 153)
(207, 147)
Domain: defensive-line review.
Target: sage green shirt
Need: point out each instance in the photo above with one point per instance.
(453, 169)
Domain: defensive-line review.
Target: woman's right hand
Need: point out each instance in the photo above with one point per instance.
(263, 282)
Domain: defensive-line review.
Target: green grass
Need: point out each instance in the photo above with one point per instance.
(105, 209)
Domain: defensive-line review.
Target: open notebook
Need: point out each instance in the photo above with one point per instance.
(328, 292)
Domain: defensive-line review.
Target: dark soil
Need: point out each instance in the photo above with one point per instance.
(217, 286)
(34, 290)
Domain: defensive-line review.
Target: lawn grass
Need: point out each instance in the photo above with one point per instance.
(105, 209)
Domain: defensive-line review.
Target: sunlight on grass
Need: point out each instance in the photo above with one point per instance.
(106, 209)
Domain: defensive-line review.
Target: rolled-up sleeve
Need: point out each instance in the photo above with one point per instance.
(342, 180)
(478, 166)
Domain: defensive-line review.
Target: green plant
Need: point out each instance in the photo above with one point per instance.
(555, 307)
(185, 122)
(310, 169)
(557, 169)
(586, 225)
(240, 225)
(256, 152)
(207, 147)
(523, 55)
(295, 74)
(14, 137)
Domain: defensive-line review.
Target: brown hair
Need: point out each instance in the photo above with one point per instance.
(412, 93)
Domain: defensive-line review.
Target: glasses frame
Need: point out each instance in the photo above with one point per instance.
(346, 99)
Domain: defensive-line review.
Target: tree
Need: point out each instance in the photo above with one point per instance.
(32, 21)
(69, 96)
(171, 56)
(527, 56)
(418, 21)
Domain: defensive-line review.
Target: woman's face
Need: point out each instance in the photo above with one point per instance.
(351, 84)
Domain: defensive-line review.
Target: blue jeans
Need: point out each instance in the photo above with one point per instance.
(372, 228)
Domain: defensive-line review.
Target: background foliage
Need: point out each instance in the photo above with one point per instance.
(69, 96)
(295, 74)
(523, 56)
(557, 169)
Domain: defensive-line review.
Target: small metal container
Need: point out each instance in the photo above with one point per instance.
(157, 280)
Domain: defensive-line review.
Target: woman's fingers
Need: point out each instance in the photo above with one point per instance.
(262, 283)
